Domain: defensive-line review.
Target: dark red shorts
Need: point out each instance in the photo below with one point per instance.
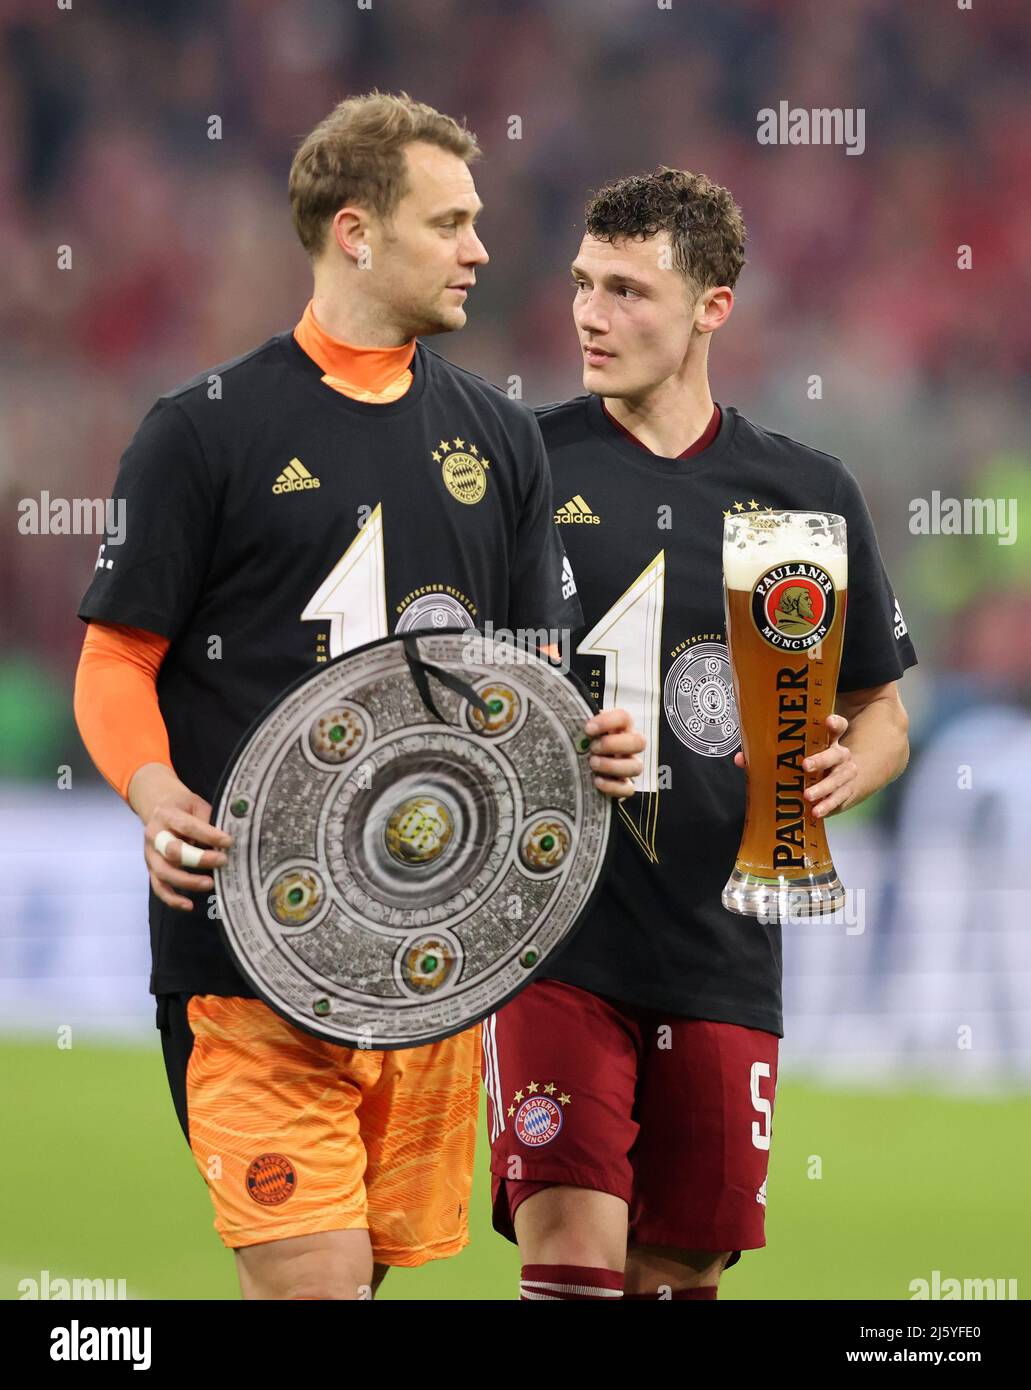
(674, 1115)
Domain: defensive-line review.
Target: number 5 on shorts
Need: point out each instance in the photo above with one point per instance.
(761, 1130)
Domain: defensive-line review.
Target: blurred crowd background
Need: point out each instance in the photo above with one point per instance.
(183, 256)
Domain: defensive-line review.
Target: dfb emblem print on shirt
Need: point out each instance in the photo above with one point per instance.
(698, 697)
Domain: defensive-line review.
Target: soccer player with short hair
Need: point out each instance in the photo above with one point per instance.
(336, 484)
(631, 1086)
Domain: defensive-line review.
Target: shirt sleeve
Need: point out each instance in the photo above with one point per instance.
(542, 589)
(116, 702)
(152, 564)
(877, 646)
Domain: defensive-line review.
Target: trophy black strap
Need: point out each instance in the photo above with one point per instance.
(422, 670)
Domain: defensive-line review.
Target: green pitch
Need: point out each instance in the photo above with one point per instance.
(98, 1183)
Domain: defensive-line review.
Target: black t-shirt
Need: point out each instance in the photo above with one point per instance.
(645, 536)
(272, 523)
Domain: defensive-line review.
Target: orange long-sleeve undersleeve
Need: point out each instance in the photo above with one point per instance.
(116, 701)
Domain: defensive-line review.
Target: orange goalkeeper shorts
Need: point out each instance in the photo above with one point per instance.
(295, 1135)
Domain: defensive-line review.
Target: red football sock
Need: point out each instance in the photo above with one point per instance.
(566, 1283)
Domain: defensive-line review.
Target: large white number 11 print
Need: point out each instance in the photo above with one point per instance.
(352, 599)
(629, 639)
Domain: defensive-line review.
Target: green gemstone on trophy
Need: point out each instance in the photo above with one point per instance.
(295, 895)
(240, 806)
(529, 957)
(320, 1007)
(583, 744)
(547, 842)
(429, 964)
(336, 733)
(495, 706)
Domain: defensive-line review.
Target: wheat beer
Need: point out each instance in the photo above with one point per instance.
(785, 586)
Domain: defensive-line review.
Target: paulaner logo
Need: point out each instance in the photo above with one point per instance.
(792, 715)
(76, 1343)
(793, 606)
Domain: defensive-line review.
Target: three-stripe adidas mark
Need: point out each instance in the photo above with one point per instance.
(577, 511)
(294, 478)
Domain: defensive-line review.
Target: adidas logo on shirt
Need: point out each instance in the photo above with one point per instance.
(900, 623)
(760, 1196)
(294, 478)
(576, 510)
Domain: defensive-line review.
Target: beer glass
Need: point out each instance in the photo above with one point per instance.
(785, 588)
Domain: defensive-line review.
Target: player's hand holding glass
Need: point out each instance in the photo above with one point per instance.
(833, 792)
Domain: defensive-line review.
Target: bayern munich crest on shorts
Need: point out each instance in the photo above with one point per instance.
(415, 830)
(537, 1121)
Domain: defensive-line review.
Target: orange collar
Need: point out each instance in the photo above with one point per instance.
(372, 369)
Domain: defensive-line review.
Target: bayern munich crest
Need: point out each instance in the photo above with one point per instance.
(698, 697)
(537, 1121)
(538, 1118)
(463, 469)
(793, 605)
(271, 1180)
(416, 829)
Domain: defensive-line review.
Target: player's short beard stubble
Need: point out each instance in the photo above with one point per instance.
(412, 315)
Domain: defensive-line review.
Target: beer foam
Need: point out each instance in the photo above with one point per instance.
(759, 546)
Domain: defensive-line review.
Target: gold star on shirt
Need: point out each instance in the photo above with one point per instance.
(564, 1098)
(442, 446)
(473, 449)
(436, 456)
(726, 515)
(769, 509)
(485, 461)
(739, 506)
(753, 505)
(459, 443)
(518, 1095)
(511, 1111)
(532, 1088)
(550, 1088)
